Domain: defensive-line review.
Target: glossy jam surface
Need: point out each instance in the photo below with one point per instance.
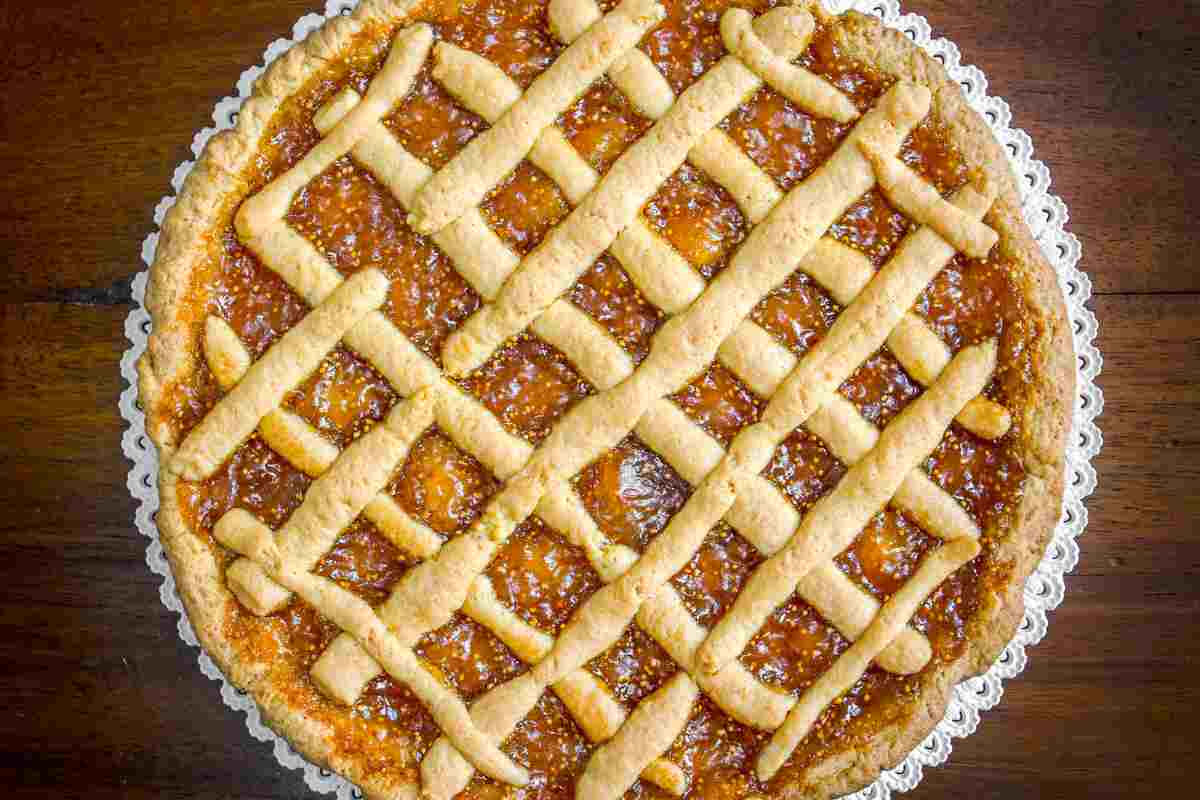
(528, 385)
(524, 208)
(354, 221)
(698, 217)
(606, 293)
(442, 485)
(343, 398)
(542, 576)
(630, 492)
(602, 124)
(720, 403)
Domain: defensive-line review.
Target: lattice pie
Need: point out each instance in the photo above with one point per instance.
(574, 400)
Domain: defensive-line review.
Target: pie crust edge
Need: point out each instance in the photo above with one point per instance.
(1045, 415)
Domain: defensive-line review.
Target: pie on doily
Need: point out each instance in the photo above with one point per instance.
(573, 399)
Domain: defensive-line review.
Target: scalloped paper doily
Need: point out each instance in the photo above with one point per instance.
(1047, 217)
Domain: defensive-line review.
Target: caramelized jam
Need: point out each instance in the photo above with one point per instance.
(804, 469)
(548, 742)
(717, 754)
(794, 648)
(688, 43)
(699, 218)
(797, 312)
(512, 34)
(983, 476)
(786, 142)
(528, 385)
(441, 485)
(364, 562)
(255, 478)
(886, 554)
(872, 227)
(719, 403)
(630, 491)
(431, 125)
(542, 576)
(256, 302)
(609, 297)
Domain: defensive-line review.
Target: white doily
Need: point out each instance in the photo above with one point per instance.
(1046, 215)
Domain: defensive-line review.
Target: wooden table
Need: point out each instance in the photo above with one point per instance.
(100, 101)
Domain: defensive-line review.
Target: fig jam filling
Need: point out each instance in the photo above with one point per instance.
(698, 217)
(343, 398)
(442, 485)
(630, 491)
(609, 297)
(720, 403)
(528, 385)
(542, 576)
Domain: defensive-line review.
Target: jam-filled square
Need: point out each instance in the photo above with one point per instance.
(602, 124)
(880, 388)
(355, 223)
(430, 124)
(524, 208)
(634, 667)
(442, 485)
(794, 647)
(719, 403)
(541, 576)
(365, 562)
(886, 554)
(609, 296)
(468, 657)
(797, 313)
(255, 478)
(343, 398)
(528, 385)
(699, 218)
(711, 581)
(632, 493)
(804, 469)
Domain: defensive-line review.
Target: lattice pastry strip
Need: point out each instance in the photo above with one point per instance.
(664, 617)
(305, 448)
(281, 369)
(598, 422)
(907, 112)
(850, 666)
(616, 201)
(671, 284)
(345, 668)
(486, 90)
(275, 565)
(487, 158)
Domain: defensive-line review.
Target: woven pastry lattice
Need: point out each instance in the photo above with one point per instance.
(345, 311)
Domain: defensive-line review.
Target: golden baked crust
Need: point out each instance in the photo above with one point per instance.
(217, 186)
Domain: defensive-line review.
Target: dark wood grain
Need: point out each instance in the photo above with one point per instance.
(100, 102)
